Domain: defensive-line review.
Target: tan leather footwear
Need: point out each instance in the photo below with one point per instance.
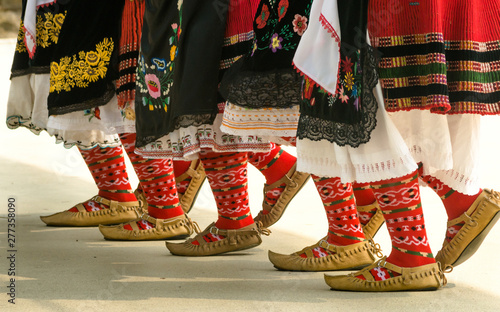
(376, 221)
(294, 181)
(178, 227)
(350, 257)
(141, 198)
(118, 212)
(479, 219)
(425, 277)
(197, 174)
(244, 238)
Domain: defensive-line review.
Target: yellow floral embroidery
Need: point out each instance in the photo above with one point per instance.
(48, 29)
(82, 69)
(349, 81)
(20, 46)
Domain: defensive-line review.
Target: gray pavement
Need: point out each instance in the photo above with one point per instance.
(75, 269)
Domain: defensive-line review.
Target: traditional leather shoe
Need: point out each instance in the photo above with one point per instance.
(425, 277)
(375, 222)
(178, 227)
(118, 212)
(478, 221)
(294, 181)
(141, 198)
(350, 257)
(241, 239)
(197, 175)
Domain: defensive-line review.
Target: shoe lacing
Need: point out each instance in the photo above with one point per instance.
(376, 249)
(471, 222)
(330, 250)
(214, 230)
(382, 262)
(441, 273)
(262, 230)
(447, 269)
(194, 224)
(291, 183)
(495, 194)
(143, 216)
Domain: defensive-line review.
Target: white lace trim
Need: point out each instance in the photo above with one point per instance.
(82, 139)
(384, 157)
(186, 143)
(265, 122)
(27, 107)
(447, 145)
(342, 163)
(110, 121)
(318, 53)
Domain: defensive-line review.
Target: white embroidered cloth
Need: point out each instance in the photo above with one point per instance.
(30, 24)
(318, 53)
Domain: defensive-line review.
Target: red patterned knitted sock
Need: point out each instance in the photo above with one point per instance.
(454, 202)
(399, 200)
(157, 180)
(107, 166)
(227, 175)
(343, 223)
(181, 166)
(364, 196)
(274, 165)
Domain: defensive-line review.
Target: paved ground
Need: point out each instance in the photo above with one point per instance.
(68, 269)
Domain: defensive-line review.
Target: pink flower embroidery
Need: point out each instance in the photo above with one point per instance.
(343, 97)
(299, 24)
(153, 84)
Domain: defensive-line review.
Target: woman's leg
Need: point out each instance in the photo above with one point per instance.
(410, 265)
(344, 247)
(165, 217)
(235, 228)
(283, 182)
(115, 201)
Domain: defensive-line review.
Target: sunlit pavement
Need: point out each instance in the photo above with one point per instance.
(75, 269)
